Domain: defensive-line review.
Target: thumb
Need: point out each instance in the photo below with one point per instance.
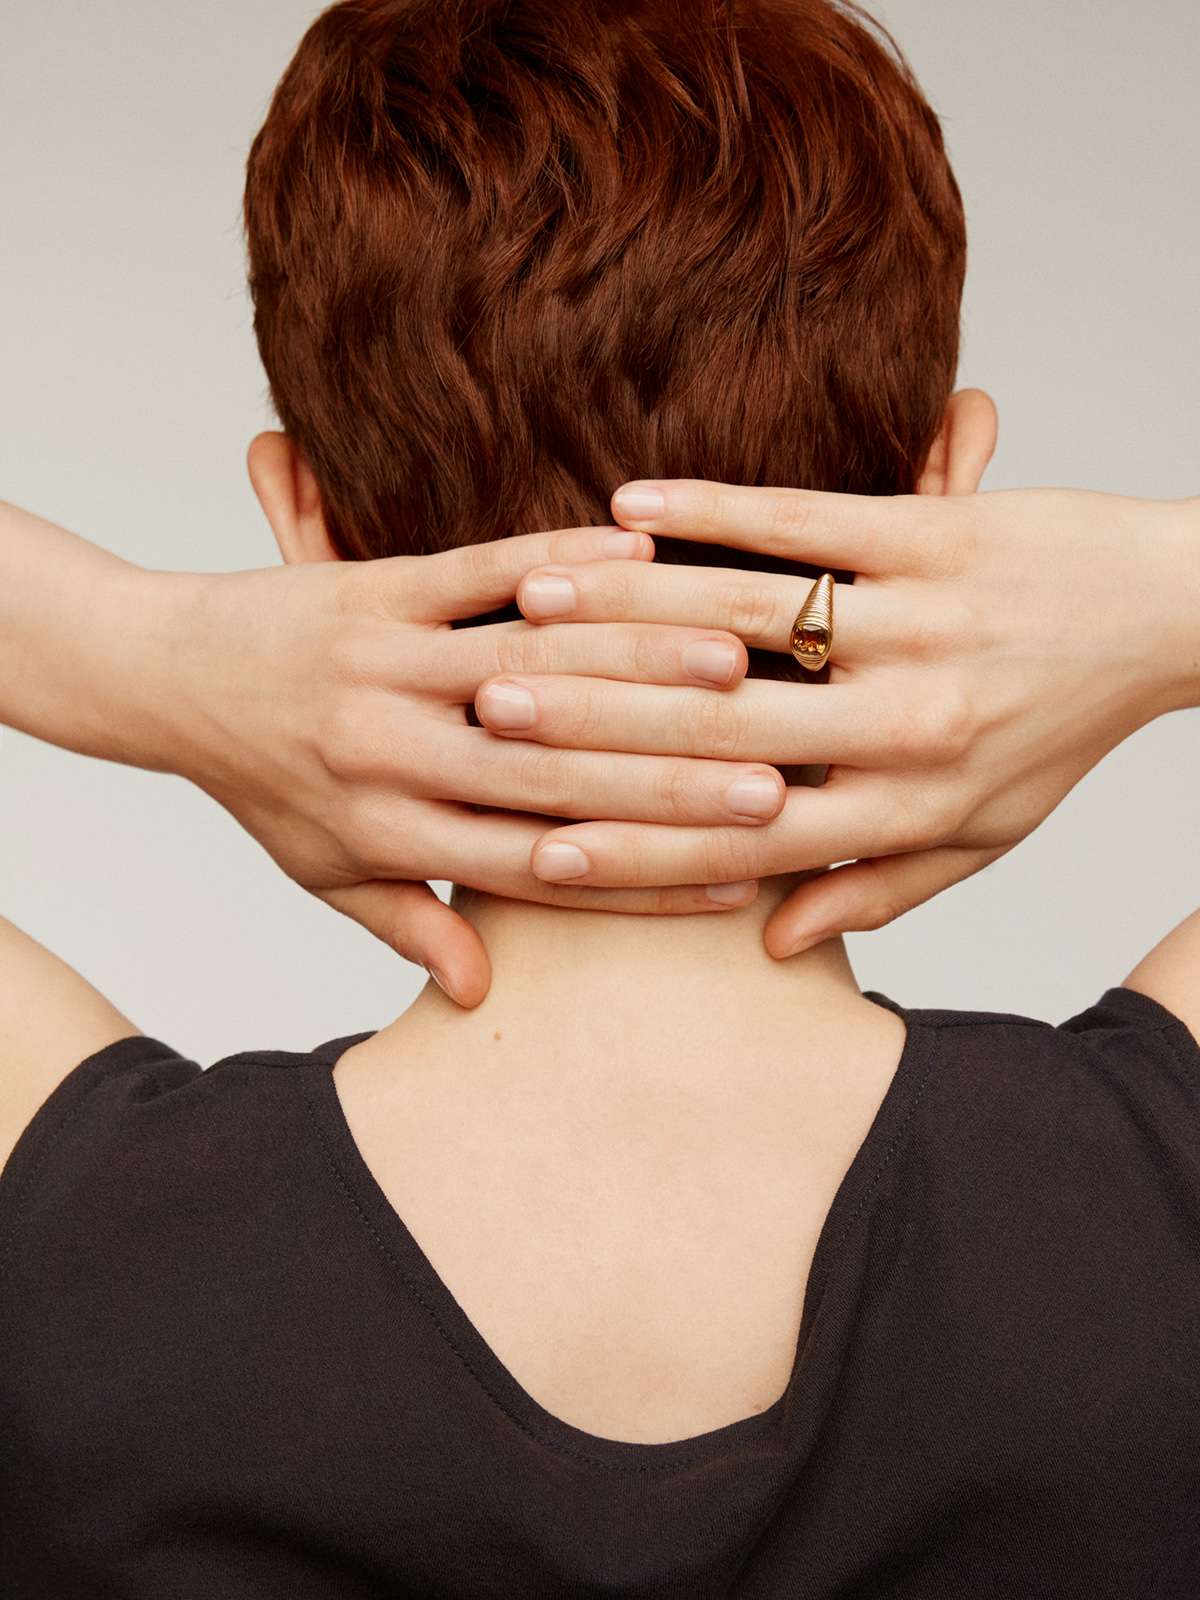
(865, 895)
(418, 926)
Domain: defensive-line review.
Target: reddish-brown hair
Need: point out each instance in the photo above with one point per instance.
(506, 254)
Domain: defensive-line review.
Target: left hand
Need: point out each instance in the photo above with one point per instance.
(991, 650)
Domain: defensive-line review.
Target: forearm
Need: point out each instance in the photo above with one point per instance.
(80, 642)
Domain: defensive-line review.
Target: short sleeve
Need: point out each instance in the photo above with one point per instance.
(81, 1112)
(1133, 1039)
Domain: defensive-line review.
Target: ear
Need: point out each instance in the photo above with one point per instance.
(963, 447)
(288, 493)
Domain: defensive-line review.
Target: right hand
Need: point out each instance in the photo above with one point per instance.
(324, 706)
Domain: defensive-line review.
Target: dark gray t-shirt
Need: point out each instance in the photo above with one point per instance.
(227, 1371)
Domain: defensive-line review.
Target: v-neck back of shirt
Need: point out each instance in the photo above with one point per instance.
(228, 1368)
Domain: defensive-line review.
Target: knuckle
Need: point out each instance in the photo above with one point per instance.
(785, 521)
(573, 895)
(712, 725)
(879, 914)
(363, 832)
(745, 609)
(569, 713)
(677, 793)
(611, 590)
(355, 660)
(709, 506)
(525, 649)
(478, 561)
(953, 725)
(670, 902)
(726, 858)
(346, 741)
(543, 781)
(927, 818)
(626, 858)
(930, 531)
(930, 731)
(579, 718)
(645, 655)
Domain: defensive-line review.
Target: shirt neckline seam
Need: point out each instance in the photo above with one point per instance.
(407, 1278)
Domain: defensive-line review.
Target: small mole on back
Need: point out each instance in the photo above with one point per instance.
(496, 1037)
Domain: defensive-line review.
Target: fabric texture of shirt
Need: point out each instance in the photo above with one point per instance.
(227, 1370)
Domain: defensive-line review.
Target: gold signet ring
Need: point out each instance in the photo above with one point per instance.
(812, 631)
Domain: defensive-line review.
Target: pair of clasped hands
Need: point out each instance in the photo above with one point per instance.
(982, 663)
(990, 651)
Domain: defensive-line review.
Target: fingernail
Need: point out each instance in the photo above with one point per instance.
(556, 863)
(548, 595)
(753, 795)
(806, 943)
(438, 979)
(733, 894)
(639, 502)
(710, 660)
(622, 546)
(506, 706)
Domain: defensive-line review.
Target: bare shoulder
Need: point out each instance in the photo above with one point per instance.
(51, 1019)
(1170, 974)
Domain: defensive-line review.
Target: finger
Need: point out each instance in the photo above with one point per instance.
(473, 766)
(584, 783)
(679, 900)
(491, 851)
(857, 816)
(853, 533)
(859, 724)
(454, 664)
(418, 926)
(478, 578)
(757, 607)
(866, 895)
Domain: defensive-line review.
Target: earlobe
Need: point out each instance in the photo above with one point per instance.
(288, 494)
(963, 447)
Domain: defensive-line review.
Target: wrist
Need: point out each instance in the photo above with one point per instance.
(1177, 572)
(68, 619)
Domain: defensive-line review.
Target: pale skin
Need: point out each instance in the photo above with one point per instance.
(321, 703)
(991, 650)
(526, 1142)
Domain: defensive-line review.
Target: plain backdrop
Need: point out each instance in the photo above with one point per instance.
(130, 386)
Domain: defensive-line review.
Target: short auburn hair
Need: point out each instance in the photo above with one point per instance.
(507, 254)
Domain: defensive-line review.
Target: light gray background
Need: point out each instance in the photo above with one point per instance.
(130, 387)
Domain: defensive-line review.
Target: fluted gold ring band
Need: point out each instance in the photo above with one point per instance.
(812, 631)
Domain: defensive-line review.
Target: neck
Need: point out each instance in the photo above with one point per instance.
(641, 990)
(620, 1163)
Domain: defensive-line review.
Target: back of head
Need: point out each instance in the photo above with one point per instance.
(507, 254)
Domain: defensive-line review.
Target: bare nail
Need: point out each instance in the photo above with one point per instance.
(733, 894)
(556, 862)
(507, 706)
(753, 795)
(710, 660)
(548, 595)
(622, 546)
(438, 979)
(639, 502)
